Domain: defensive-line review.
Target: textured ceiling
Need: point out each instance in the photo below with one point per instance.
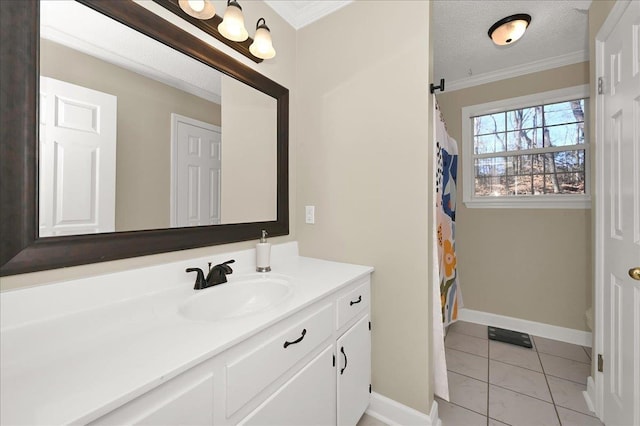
(300, 13)
(463, 53)
(462, 48)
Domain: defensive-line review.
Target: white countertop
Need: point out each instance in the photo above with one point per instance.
(73, 351)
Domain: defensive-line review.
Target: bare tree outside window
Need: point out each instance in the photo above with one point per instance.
(531, 151)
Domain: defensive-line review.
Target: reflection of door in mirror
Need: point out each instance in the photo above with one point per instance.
(151, 82)
(195, 172)
(77, 159)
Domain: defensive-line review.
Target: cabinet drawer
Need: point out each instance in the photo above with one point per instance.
(353, 303)
(254, 371)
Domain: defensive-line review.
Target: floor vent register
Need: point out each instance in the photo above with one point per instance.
(510, 336)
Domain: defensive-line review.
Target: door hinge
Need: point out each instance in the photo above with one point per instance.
(369, 388)
(600, 363)
(369, 325)
(600, 86)
(334, 360)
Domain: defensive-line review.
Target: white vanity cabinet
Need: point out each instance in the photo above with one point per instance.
(334, 387)
(353, 353)
(310, 368)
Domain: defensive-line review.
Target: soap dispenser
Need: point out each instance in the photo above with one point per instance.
(263, 254)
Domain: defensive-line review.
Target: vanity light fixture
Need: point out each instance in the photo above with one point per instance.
(201, 9)
(232, 25)
(509, 29)
(262, 46)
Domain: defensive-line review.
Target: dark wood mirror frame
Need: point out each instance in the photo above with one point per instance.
(21, 250)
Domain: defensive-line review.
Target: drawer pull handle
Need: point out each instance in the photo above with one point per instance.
(345, 360)
(357, 301)
(298, 340)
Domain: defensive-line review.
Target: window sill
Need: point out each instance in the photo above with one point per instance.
(530, 202)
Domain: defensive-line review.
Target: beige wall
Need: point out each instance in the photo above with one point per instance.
(249, 172)
(143, 151)
(533, 264)
(364, 153)
(282, 70)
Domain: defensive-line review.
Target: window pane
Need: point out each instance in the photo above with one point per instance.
(508, 133)
(525, 118)
(489, 143)
(569, 161)
(524, 139)
(571, 183)
(519, 165)
(491, 186)
(521, 185)
(564, 112)
(551, 173)
(488, 124)
(490, 166)
(565, 135)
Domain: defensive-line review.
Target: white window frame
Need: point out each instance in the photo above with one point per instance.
(553, 201)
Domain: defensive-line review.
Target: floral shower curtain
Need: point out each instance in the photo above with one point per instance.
(446, 291)
(446, 183)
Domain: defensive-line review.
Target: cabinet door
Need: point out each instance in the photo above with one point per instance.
(354, 372)
(307, 399)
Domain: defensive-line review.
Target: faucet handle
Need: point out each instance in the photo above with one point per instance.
(225, 266)
(200, 281)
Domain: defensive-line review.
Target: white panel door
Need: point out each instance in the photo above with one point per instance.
(354, 373)
(77, 159)
(195, 180)
(621, 239)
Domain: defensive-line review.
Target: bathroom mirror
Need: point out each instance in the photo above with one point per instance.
(22, 249)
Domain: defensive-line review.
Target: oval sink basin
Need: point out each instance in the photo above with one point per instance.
(237, 298)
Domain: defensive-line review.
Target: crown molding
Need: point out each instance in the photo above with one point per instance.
(518, 70)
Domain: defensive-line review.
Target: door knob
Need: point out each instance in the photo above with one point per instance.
(635, 273)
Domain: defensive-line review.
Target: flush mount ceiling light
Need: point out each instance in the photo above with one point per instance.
(262, 46)
(232, 26)
(509, 29)
(201, 9)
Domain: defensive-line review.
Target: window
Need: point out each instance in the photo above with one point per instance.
(528, 152)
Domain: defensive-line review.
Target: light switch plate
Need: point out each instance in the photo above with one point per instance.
(310, 214)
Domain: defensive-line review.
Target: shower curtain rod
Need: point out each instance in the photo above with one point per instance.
(433, 88)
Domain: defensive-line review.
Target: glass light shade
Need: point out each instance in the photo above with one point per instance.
(232, 25)
(201, 9)
(510, 29)
(262, 46)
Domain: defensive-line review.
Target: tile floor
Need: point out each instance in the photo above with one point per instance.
(496, 384)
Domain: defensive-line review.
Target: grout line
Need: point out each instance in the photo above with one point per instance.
(516, 365)
(524, 394)
(455, 372)
(549, 387)
(579, 412)
(454, 349)
(564, 357)
(466, 408)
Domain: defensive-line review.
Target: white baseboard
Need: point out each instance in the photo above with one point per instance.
(392, 412)
(569, 335)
